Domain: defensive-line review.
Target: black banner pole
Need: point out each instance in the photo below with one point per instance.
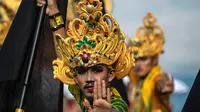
(31, 58)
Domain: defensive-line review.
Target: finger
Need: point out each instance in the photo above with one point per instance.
(84, 104)
(169, 83)
(40, 5)
(95, 91)
(167, 90)
(99, 89)
(172, 80)
(108, 95)
(103, 89)
(170, 77)
(41, 2)
(47, 11)
(87, 104)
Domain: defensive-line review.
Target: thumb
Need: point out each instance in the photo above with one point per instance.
(47, 11)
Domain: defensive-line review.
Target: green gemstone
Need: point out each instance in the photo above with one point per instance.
(136, 43)
(85, 19)
(89, 42)
(136, 55)
(78, 46)
(97, 17)
(80, 42)
(93, 45)
(85, 39)
(95, 23)
(95, 4)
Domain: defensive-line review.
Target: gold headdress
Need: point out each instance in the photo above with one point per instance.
(149, 39)
(93, 38)
(72, 12)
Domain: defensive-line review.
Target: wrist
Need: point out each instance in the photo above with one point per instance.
(114, 110)
(53, 11)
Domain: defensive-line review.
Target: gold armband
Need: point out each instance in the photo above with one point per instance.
(56, 21)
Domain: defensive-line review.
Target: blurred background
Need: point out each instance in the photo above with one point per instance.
(180, 21)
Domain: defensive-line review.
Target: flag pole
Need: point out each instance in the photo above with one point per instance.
(31, 58)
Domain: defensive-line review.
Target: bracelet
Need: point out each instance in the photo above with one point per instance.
(56, 21)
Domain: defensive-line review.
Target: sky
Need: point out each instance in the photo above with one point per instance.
(180, 20)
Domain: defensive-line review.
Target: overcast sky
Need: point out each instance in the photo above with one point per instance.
(180, 20)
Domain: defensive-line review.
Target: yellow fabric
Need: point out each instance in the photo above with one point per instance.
(148, 87)
(148, 84)
(115, 92)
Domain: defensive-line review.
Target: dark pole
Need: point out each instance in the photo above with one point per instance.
(31, 58)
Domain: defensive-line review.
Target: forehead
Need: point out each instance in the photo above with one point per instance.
(97, 65)
(143, 58)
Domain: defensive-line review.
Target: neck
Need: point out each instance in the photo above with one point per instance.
(143, 77)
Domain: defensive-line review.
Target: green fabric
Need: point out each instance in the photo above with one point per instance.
(78, 95)
(119, 104)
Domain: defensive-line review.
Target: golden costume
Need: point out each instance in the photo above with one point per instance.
(93, 38)
(146, 95)
(8, 9)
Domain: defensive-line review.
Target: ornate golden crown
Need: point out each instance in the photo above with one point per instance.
(93, 38)
(71, 10)
(149, 39)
